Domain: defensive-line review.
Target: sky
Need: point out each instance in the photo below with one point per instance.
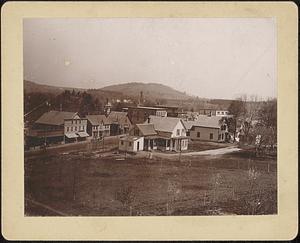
(206, 57)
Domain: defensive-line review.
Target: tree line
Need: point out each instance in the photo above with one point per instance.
(254, 121)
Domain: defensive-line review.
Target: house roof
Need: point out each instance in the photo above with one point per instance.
(164, 124)
(146, 129)
(204, 121)
(55, 117)
(117, 116)
(97, 119)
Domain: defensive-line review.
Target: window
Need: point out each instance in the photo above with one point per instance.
(198, 134)
(75, 128)
(122, 143)
(211, 136)
(182, 131)
(188, 134)
(72, 129)
(219, 136)
(178, 132)
(130, 143)
(136, 132)
(168, 143)
(67, 129)
(222, 136)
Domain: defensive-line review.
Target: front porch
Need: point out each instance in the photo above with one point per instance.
(167, 144)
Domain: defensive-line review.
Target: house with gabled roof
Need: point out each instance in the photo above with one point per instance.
(149, 134)
(207, 128)
(162, 133)
(119, 123)
(171, 133)
(98, 126)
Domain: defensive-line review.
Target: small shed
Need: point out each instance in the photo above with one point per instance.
(131, 144)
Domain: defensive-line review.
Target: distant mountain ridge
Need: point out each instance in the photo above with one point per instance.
(31, 87)
(150, 90)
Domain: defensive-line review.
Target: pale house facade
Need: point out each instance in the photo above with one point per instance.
(75, 129)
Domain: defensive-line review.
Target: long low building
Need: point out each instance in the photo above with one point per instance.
(207, 128)
(140, 114)
(57, 127)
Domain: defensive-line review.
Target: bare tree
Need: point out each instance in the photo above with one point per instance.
(237, 109)
(266, 128)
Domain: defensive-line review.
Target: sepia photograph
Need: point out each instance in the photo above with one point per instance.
(150, 116)
(149, 121)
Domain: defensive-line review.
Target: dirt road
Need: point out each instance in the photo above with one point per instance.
(211, 152)
(219, 151)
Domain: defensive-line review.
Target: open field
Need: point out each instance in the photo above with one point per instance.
(109, 143)
(205, 145)
(111, 185)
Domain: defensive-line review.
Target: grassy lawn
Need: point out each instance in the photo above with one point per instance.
(204, 145)
(87, 184)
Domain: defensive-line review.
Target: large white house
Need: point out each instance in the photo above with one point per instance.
(171, 133)
(162, 133)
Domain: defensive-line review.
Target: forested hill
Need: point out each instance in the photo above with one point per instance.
(151, 91)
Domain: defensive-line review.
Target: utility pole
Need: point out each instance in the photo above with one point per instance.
(45, 102)
(103, 145)
(180, 150)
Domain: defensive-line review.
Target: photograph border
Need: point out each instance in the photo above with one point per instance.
(16, 226)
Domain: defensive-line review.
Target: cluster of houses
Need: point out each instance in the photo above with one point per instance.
(162, 128)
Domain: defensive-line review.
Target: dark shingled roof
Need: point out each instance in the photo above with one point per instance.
(55, 117)
(117, 117)
(97, 119)
(146, 129)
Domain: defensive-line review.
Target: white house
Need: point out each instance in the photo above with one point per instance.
(171, 133)
(75, 129)
(131, 144)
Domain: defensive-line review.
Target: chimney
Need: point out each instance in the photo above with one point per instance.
(141, 101)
